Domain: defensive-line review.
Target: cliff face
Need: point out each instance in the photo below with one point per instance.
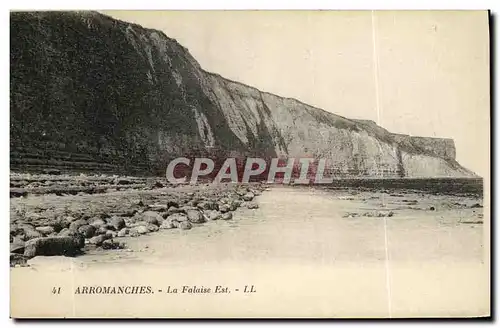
(92, 93)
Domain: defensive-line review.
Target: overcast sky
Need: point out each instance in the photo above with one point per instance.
(423, 73)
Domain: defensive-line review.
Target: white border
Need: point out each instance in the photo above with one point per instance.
(493, 5)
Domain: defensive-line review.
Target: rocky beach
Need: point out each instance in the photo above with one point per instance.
(100, 108)
(68, 215)
(402, 252)
(74, 215)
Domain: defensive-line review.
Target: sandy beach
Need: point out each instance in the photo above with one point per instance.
(300, 241)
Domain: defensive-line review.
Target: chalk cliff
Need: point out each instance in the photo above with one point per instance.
(91, 93)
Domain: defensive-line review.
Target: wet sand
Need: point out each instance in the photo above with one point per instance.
(303, 257)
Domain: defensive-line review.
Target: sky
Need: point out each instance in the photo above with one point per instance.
(422, 73)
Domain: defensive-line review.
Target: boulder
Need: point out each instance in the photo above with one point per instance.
(111, 234)
(60, 224)
(110, 244)
(252, 205)
(45, 231)
(235, 203)
(68, 233)
(173, 203)
(223, 208)
(98, 222)
(117, 222)
(206, 205)
(227, 216)
(142, 229)
(123, 232)
(17, 246)
(97, 240)
(152, 227)
(179, 217)
(31, 233)
(50, 246)
(158, 207)
(18, 260)
(173, 210)
(185, 225)
(77, 224)
(88, 231)
(167, 224)
(195, 216)
(212, 215)
(248, 196)
(134, 233)
(224, 200)
(152, 217)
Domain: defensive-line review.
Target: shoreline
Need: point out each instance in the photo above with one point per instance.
(51, 225)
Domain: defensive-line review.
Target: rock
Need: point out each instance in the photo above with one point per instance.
(142, 229)
(17, 246)
(103, 229)
(241, 192)
(224, 208)
(477, 205)
(248, 196)
(158, 207)
(75, 225)
(379, 214)
(207, 205)
(432, 208)
(123, 181)
(60, 224)
(179, 217)
(235, 203)
(252, 205)
(71, 219)
(195, 216)
(134, 233)
(98, 222)
(187, 208)
(212, 215)
(110, 244)
(45, 231)
(227, 216)
(152, 217)
(167, 224)
(88, 231)
(223, 200)
(385, 214)
(173, 210)
(138, 202)
(117, 222)
(125, 212)
(123, 232)
(152, 227)
(158, 184)
(31, 234)
(18, 260)
(52, 171)
(49, 246)
(350, 215)
(67, 233)
(173, 203)
(110, 234)
(97, 240)
(185, 225)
